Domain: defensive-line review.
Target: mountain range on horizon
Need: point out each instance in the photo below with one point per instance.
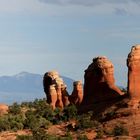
(25, 86)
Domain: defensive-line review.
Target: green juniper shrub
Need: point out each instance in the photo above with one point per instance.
(138, 138)
(35, 121)
(24, 137)
(39, 134)
(120, 130)
(58, 116)
(44, 110)
(14, 109)
(27, 104)
(68, 135)
(100, 134)
(70, 112)
(11, 122)
(82, 137)
(84, 121)
(4, 123)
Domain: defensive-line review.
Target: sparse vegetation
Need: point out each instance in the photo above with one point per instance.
(38, 117)
(120, 130)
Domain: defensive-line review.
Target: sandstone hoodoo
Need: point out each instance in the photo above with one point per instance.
(99, 82)
(54, 89)
(133, 63)
(77, 93)
(65, 95)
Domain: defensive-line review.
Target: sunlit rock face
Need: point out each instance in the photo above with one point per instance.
(133, 63)
(3, 109)
(99, 82)
(77, 93)
(55, 90)
(48, 84)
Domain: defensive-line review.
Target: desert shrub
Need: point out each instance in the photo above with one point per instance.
(70, 112)
(120, 130)
(14, 109)
(82, 137)
(84, 121)
(44, 110)
(99, 134)
(33, 121)
(4, 123)
(24, 137)
(39, 134)
(11, 122)
(138, 138)
(27, 104)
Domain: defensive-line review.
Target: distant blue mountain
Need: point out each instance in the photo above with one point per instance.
(25, 86)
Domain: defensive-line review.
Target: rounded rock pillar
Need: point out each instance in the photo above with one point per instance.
(77, 93)
(133, 63)
(99, 84)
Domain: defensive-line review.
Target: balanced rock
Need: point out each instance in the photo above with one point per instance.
(77, 94)
(133, 63)
(99, 84)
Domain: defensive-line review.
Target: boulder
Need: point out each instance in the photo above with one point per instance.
(99, 82)
(3, 109)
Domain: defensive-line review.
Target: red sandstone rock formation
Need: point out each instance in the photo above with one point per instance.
(77, 94)
(133, 63)
(52, 95)
(59, 83)
(48, 80)
(54, 90)
(3, 109)
(65, 95)
(99, 84)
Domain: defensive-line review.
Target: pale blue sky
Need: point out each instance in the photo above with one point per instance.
(65, 35)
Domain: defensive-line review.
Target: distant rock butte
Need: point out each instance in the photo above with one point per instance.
(99, 82)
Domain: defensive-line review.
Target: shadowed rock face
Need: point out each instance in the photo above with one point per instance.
(65, 95)
(133, 63)
(77, 93)
(54, 90)
(99, 84)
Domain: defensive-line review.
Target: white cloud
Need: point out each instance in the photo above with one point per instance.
(69, 7)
